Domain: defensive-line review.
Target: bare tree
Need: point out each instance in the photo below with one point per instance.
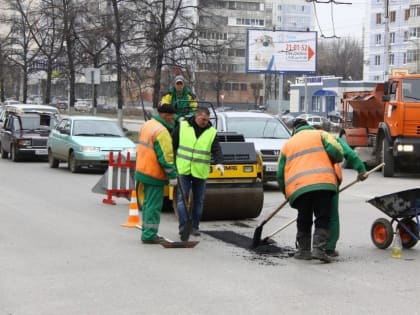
(340, 57)
(20, 42)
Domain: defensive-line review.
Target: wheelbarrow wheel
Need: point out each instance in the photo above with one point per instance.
(407, 240)
(382, 233)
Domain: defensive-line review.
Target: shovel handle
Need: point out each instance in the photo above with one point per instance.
(366, 174)
(275, 212)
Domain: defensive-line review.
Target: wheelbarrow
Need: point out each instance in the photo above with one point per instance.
(403, 209)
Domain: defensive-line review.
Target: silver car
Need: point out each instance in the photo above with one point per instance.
(266, 132)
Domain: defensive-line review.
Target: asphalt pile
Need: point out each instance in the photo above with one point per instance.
(242, 241)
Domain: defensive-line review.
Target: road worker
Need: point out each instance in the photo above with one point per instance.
(306, 176)
(181, 98)
(154, 166)
(195, 142)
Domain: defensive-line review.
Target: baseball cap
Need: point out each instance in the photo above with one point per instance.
(179, 78)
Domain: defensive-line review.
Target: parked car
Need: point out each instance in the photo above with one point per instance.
(60, 102)
(86, 141)
(34, 99)
(266, 132)
(83, 105)
(27, 108)
(25, 135)
(11, 102)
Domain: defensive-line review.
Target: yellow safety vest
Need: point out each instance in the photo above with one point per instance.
(194, 155)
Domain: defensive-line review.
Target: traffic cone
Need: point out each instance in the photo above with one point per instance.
(133, 212)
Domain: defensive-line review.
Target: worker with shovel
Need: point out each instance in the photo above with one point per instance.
(353, 161)
(154, 166)
(195, 142)
(307, 178)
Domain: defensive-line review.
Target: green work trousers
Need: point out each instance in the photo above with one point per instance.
(152, 205)
(334, 224)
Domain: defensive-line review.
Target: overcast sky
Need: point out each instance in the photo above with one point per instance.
(348, 18)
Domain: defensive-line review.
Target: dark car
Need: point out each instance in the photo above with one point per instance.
(25, 135)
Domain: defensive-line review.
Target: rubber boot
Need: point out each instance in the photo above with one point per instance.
(320, 240)
(303, 244)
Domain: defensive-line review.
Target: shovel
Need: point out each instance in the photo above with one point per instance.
(186, 231)
(258, 231)
(265, 239)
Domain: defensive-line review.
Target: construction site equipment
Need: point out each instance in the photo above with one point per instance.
(186, 230)
(256, 240)
(133, 212)
(386, 122)
(403, 208)
(265, 240)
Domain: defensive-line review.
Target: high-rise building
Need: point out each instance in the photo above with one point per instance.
(388, 43)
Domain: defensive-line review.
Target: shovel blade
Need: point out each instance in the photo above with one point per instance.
(257, 236)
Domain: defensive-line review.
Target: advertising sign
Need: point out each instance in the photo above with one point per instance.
(269, 51)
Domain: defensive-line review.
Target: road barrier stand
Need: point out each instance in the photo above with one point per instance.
(133, 212)
(119, 174)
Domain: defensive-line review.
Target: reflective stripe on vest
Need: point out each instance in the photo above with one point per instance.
(147, 162)
(194, 155)
(307, 162)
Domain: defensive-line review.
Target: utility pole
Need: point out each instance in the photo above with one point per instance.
(386, 40)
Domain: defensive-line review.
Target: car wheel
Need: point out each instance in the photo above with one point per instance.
(14, 153)
(73, 167)
(4, 154)
(52, 161)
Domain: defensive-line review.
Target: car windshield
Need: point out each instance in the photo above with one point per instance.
(97, 128)
(257, 127)
(37, 122)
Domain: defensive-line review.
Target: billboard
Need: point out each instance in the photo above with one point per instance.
(269, 51)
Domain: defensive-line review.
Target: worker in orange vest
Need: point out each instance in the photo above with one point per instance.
(306, 176)
(155, 165)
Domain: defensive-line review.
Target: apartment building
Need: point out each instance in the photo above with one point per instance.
(388, 34)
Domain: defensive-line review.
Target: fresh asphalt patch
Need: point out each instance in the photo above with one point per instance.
(260, 254)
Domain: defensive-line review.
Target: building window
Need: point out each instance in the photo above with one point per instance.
(227, 87)
(405, 36)
(377, 60)
(392, 16)
(406, 14)
(404, 58)
(235, 86)
(378, 18)
(316, 103)
(378, 39)
(376, 78)
(392, 38)
(244, 86)
(302, 104)
(391, 59)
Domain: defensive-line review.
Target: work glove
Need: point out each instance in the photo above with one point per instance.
(220, 168)
(362, 176)
(173, 182)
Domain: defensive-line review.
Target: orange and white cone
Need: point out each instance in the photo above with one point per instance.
(133, 212)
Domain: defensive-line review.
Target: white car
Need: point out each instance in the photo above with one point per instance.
(266, 132)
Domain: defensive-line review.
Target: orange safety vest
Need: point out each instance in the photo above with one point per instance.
(307, 162)
(147, 162)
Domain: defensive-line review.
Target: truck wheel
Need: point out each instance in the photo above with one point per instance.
(382, 233)
(388, 159)
(407, 240)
